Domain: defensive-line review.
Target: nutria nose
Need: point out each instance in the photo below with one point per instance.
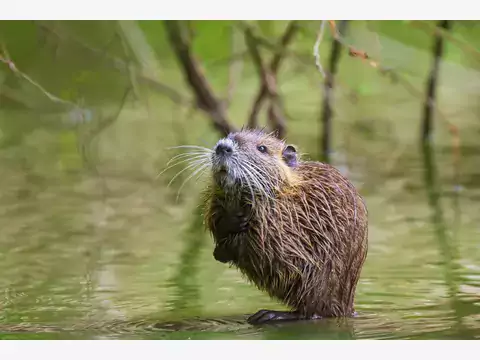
(223, 149)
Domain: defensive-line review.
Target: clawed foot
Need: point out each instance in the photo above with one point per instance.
(263, 316)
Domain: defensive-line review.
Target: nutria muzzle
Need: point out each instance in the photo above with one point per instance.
(223, 161)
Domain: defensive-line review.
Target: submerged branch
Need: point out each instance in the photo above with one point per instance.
(429, 105)
(446, 244)
(326, 114)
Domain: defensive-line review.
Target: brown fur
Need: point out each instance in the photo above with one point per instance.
(306, 244)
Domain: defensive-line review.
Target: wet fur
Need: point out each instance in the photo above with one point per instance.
(305, 242)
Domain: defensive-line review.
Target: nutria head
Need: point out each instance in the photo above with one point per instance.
(251, 161)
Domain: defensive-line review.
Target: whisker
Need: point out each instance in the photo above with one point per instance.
(191, 147)
(192, 153)
(185, 169)
(256, 175)
(193, 158)
(203, 167)
(245, 175)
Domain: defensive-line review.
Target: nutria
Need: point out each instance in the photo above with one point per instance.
(296, 229)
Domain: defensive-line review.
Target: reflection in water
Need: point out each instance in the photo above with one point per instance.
(326, 329)
(186, 295)
(445, 242)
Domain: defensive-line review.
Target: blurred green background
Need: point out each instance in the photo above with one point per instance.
(94, 244)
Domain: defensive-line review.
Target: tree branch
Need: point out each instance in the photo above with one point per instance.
(235, 67)
(4, 58)
(269, 78)
(205, 97)
(326, 115)
(316, 48)
(123, 67)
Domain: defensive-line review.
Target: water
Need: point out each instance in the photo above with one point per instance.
(89, 256)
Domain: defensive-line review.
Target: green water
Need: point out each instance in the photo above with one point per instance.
(89, 257)
(79, 261)
(94, 246)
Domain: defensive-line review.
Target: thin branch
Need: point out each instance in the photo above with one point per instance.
(326, 114)
(269, 83)
(275, 63)
(396, 77)
(430, 100)
(287, 37)
(4, 58)
(123, 67)
(205, 97)
(268, 78)
(316, 48)
(352, 51)
(276, 118)
(92, 133)
(435, 30)
(252, 46)
(429, 106)
(235, 68)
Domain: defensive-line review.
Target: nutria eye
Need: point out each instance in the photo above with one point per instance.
(262, 149)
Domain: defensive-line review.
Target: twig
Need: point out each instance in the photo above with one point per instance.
(275, 63)
(4, 58)
(396, 77)
(465, 46)
(235, 68)
(276, 118)
(429, 105)
(430, 101)
(326, 114)
(205, 97)
(316, 49)
(287, 37)
(268, 80)
(123, 67)
(92, 133)
(352, 51)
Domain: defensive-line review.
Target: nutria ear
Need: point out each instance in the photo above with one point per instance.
(289, 155)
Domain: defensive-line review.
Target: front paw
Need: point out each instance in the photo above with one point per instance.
(265, 316)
